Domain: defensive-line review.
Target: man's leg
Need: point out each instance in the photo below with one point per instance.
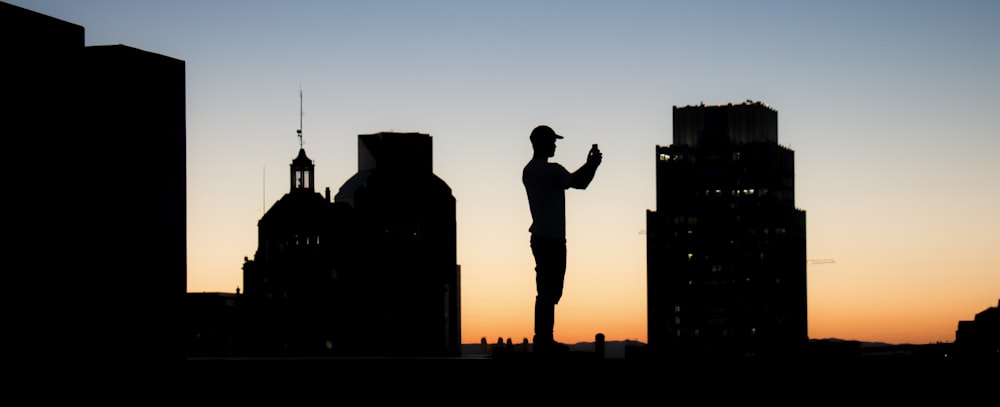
(550, 270)
(545, 314)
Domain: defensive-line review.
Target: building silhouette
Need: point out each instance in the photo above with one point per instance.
(212, 326)
(292, 299)
(726, 246)
(980, 337)
(98, 136)
(369, 273)
(408, 299)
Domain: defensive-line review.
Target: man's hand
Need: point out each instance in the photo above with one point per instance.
(594, 157)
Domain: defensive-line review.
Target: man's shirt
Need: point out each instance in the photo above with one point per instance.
(546, 184)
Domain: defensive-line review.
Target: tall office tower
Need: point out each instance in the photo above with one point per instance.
(406, 290)
(130, 167)
(97, 135)
(726, 246)
(292, 302)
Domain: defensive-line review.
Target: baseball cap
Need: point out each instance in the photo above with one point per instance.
(544, 132)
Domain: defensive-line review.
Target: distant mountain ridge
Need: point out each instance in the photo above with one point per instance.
(863, 344)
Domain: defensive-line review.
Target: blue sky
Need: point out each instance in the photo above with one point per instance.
(890, 107)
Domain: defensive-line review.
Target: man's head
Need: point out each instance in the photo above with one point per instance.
(543, 141)
(543, 134)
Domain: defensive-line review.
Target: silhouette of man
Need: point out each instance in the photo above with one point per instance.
(546, 184)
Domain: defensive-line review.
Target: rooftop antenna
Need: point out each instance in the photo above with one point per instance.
(299, 131)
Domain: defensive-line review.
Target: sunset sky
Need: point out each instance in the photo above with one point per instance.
(891, 107)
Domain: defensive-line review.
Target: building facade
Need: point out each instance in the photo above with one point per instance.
(726, 246)
(98, 136)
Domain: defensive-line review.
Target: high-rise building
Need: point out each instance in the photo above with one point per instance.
(408, 293)
(97, 138)
(726, 245)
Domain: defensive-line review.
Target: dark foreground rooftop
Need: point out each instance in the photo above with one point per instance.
(578, 375)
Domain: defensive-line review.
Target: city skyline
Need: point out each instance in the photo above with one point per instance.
(887, 107)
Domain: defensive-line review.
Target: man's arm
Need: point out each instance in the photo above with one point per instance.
(581, 178)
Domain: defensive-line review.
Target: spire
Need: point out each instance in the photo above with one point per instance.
(302, 167)
(299, 131)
